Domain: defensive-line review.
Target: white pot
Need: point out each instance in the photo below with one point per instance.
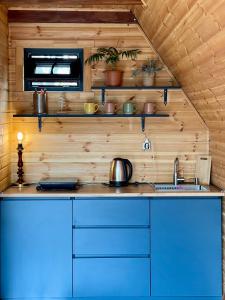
(148, 79)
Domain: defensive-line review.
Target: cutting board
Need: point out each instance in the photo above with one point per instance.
(203, 169)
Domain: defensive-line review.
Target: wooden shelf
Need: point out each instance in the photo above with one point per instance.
(72, 115)
(161, 87)
(118, 88)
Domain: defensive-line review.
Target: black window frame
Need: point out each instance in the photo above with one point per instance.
(76, 67)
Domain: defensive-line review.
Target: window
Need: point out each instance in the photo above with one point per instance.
(53, 69)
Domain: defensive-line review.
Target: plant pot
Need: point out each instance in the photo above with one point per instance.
(113, 77)
(148, 79)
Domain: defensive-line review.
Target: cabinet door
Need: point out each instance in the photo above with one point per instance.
(186, 247)
(111, 277)
(36, 248)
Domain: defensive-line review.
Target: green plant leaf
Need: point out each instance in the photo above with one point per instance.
(94, 58)
(131, 53)
(111, 55)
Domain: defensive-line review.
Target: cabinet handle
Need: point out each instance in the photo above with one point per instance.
(111, 256)
(111, 227)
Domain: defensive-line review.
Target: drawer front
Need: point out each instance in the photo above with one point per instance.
(111, 212)
(111, 277)
(111, 241)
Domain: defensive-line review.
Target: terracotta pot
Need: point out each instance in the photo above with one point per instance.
(113, 77)
(148, 79)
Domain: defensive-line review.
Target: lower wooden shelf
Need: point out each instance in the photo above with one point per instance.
(72, 115)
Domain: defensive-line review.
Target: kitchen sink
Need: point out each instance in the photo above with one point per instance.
(164, 187)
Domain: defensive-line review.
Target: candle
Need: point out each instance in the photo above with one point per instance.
(20, 137)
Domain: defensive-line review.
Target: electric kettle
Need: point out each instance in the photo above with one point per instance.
(121, 171)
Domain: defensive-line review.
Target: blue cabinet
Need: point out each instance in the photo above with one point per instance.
(36, 248)
(186, 247)
(156, 248)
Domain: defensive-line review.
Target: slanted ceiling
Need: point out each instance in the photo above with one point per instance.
(189, 35)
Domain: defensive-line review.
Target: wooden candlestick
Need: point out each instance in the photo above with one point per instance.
(20, 172)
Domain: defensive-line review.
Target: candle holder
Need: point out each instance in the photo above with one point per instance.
(20, 181)
(20, 172)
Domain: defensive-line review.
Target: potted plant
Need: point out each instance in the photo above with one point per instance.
(111, 56)
(149, 70)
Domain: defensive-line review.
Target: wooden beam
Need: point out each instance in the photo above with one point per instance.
(29, 16)
(68, 3)
(144, 3)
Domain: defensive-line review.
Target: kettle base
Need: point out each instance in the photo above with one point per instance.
(118, 183)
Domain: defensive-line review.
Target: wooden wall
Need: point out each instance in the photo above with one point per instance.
(85, 147)
(190, 37)
(4, 120)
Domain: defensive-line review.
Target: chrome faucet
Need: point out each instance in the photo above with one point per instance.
(176, 178)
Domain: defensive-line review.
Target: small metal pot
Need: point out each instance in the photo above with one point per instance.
(40, 103)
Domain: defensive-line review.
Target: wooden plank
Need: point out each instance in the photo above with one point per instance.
(29, 16)
(203, 169)
(69, 3)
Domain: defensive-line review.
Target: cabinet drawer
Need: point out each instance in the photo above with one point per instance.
(108, 211)
(111, 277)
(111, 241)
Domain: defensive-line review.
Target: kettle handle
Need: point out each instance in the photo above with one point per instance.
(129, 164)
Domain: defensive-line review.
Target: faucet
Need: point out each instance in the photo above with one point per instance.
(176, 178)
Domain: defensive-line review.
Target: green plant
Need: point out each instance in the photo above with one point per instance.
(111, 55)
(150, 67)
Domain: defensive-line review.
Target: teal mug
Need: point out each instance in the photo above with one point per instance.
(129, 108)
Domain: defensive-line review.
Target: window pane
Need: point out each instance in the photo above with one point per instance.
(55, 83)
(61, 69)
(55, 56)
(43, 69)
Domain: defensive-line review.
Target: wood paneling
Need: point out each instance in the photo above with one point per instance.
(84, 147)
(31, 16)
(4, 120)
(189, 35)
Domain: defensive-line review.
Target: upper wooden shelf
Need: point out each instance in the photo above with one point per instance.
(118, 88)
(160, 87)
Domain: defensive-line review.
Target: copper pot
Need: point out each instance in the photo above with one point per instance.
(113, 77)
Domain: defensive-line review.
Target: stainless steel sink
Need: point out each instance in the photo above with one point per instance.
(164, 187)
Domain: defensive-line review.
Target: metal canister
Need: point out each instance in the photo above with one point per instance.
(40, 102)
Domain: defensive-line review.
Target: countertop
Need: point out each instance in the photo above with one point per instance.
(100, 190)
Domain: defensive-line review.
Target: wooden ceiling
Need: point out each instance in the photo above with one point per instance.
(189, 35)
(21, 4)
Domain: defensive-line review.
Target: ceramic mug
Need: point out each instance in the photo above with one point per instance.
(90, 108)
(149, 108)
(110, 108)
(129, 108)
